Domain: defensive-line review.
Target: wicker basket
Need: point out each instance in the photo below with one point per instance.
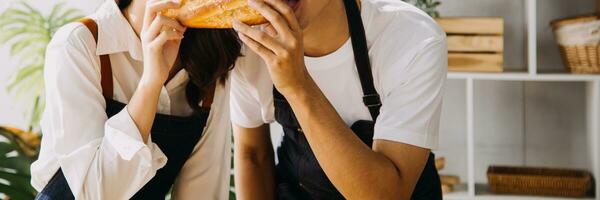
(539, 181)
(579, 42)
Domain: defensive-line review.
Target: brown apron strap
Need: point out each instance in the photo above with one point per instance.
(106, 70)
(209, 98)
(105, 66)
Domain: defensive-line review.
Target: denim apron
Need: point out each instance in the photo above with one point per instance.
(298, 173)
(175, 136)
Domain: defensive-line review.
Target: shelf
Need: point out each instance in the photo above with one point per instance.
(523, 76)
(507, 197)
(482, 193)
(534, 25)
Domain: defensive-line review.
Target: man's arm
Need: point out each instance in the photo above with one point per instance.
(388, 171)
(391, 169)
(254, 163)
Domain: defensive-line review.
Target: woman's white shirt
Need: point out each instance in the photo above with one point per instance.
(106, 158)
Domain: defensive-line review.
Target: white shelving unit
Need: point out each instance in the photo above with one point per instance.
(477, 192)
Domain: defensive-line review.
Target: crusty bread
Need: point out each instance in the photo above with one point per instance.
(215, 13)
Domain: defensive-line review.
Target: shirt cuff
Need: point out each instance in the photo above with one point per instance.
(125, 137)
(423, 140)
(247, 124)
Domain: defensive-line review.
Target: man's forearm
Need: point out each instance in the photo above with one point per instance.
(253, 180)
(254, 163)
(365, 174)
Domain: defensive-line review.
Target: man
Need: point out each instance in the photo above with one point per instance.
(357, 87)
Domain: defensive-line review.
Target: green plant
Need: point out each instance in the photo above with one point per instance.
(232, 176)
(17, 150)
(429, 6)
(28, 32)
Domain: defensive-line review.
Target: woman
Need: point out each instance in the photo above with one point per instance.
(97, 147)
(357, 86)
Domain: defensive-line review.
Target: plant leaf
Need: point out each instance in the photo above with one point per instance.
(6, 148)
(15, 193)
(7, 35)
(16, 180)
(20, 45)
(22, 74)
(68, 16)
(57, 8)
(25, 87)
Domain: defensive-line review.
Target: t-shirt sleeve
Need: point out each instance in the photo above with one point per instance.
(245, 106)
(412, 96)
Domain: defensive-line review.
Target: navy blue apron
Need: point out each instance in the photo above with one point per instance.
(298, 173)
(175, 136)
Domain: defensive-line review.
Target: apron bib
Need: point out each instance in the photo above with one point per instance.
(175, 136)
(298, 173)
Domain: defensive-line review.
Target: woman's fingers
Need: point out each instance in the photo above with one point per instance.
(159, 24)
(274, 17)
(259, 36)
(153, 7)
(164, 36)
(287, 12)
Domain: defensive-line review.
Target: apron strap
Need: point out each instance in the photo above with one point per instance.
(210, 96)
(371, 98)
(106, 70)
(105, 65)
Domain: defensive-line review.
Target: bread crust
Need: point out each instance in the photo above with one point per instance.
(215, 13)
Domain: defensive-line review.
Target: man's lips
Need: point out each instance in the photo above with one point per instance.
(293, 3)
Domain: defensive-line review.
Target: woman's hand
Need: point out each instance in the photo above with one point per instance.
(161, 37)
(279, 45)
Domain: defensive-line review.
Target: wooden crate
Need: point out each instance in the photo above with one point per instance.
(475, 44)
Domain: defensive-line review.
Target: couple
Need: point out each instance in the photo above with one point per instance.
(138, 105)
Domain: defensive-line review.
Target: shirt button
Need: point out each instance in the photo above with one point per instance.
(300, 130)
(301, 185)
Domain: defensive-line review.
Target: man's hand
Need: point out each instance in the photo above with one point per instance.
(279, 44)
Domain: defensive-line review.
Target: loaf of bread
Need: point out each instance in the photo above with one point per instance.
(215, 13)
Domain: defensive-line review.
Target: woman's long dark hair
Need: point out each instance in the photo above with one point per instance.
(207, 55)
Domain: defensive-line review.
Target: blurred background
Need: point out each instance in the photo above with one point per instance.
(521, 113)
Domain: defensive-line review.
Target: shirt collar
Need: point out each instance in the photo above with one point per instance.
(115, 34)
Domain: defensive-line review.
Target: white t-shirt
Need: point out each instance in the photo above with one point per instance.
(409, 58)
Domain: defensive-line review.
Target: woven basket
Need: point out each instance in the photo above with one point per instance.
(539, 181)
(579, 42)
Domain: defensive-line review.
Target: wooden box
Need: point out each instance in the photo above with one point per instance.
(475, 44)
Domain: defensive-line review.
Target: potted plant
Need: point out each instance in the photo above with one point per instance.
(17, 150)
(28, 32)
(429, 6)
